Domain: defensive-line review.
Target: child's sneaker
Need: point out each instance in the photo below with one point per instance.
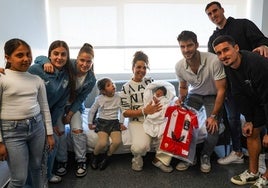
(260, 183)
(245, 178)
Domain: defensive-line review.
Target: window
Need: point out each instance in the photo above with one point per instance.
(118, 28)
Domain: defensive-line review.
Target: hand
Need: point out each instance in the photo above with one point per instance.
(57, 131)
(48, 67)
(152, 108)
(247, 129)
(3, 152)
(50, 142)
(265, 141)
(262, 50)
(2, 71)
(122, 127)
(212, 125)
(91, 126)
(66, 119)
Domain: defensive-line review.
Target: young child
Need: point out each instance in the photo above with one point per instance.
(107, 104)
(25, 116)
(154, 124)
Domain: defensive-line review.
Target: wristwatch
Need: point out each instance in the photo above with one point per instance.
(213, 116)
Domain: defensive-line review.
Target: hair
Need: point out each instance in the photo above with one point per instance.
(140, 56)
(187, 35)
(224, 38)
(162, 88)
(101, 83)
(67, 66)
(11, 45)
(213, 3)
(87, 48)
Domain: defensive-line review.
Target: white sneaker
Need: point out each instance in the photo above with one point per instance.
(183, 165)
(260, 183)
(262, 164)
(231, 158)
(137, 163)
(163, 167)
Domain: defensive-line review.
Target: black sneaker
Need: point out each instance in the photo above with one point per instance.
(104, 163)
(61, 168)
(81, 169)
(94, 162)
(245, 178)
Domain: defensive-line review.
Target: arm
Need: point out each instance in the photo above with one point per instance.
(183, 92)
(212, 122)
(91, 113)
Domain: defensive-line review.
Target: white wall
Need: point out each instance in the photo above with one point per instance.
(25, 19)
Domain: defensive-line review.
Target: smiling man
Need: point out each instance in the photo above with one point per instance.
(247, 73)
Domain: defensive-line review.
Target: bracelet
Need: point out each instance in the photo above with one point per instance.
(142, 111)
(213, 116)
(183, 87)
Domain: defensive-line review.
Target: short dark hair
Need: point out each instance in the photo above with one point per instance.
(187, 35)
(223, 38)
(101, 83)
(162, 88)
(213, 3)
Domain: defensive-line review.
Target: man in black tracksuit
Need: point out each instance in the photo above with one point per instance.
(248, 77)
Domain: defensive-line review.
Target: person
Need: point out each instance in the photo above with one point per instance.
(202, 82)
(109, 122)
(247, 72)
(133, 107)
(59, 85)
(85, 81)
(248, 37)
(25, 116)
(154, 124)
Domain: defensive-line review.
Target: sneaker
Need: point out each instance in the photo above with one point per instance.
(55, 179)
(162, 167)
(183, 165)
(61, 168)
(205, 165)
(261, 182)
(262, 164)
(231, 158)
(104, 163)
(245, 178)
(137, 163)
(81, 169)
(95, 162)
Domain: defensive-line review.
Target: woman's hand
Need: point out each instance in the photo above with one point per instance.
(48, 67)
(152, 108)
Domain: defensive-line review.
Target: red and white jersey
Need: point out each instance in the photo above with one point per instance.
(178, 132)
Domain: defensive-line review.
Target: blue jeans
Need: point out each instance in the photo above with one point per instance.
(79, 141)
(24, 140)
(196, 102)
(233, 116)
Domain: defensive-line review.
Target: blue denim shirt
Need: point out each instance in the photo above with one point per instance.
(56, 87)
(82, 92)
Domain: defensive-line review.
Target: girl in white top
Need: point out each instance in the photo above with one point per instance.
(25, 116)
(109, 122)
